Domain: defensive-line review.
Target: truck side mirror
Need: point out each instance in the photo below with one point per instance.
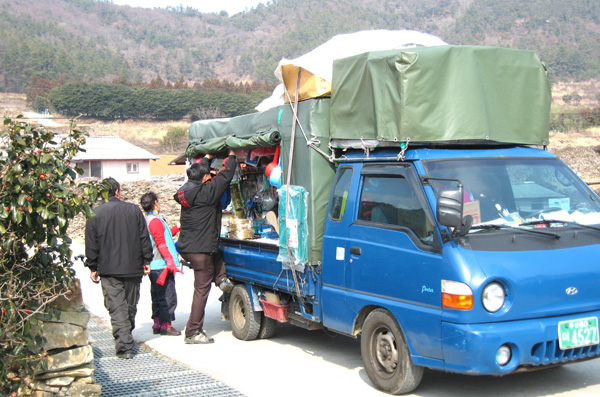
(450, 208)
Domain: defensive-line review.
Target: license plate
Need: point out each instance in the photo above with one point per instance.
(578, 333)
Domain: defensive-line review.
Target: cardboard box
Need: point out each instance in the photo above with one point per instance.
(311, 86)
(272, 298)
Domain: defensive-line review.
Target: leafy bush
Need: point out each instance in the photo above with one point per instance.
(592, 115)
(566, 122)
(175, 140)
(39, 196)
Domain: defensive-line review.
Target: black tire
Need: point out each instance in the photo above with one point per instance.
(245, 322)
(268, 326)
(385, 355)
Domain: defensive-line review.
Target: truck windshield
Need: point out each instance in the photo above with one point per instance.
(519, 192)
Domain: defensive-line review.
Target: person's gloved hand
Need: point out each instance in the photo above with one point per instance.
(163, 277)
(171, 267)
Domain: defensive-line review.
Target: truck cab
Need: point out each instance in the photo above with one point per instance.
(506, 282)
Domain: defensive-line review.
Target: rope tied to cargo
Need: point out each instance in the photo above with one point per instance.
(312, 142)
(288, 182)
(365, 147)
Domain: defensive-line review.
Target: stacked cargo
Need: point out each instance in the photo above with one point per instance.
(443, 94)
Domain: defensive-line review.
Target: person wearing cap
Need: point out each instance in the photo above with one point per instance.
(198, 242)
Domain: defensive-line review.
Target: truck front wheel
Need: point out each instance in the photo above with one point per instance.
(385, 355)
(245, 322)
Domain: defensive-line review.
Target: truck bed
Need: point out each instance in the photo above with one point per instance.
(255, 262)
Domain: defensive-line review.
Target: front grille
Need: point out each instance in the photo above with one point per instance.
(549, 352)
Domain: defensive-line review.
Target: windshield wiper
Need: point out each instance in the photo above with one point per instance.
(549, 221)
(555, 236)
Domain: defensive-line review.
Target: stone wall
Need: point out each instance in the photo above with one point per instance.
(68, 365)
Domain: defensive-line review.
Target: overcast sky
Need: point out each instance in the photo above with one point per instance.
(231, 6)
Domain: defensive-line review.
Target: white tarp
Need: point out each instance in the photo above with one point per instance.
(319, 61)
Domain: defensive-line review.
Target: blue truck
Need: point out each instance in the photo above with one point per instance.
(440, 231)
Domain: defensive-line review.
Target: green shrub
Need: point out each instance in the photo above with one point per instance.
(175, 140)
(39, 196)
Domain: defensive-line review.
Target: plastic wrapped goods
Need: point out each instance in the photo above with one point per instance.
(293, 228)
(241, 229)
(237, 201)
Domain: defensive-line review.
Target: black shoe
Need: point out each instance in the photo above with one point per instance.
(125, 355)
(226, 285)
(170, 332)
(156, 331)
(199, 337)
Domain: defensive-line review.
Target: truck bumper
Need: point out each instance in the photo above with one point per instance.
(471, 348)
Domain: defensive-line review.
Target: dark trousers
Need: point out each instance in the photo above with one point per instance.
(208, 268)
(121, 296)
(164, 297)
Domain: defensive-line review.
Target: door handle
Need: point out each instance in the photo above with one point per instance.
(355, 251)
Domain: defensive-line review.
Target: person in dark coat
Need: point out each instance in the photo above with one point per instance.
(118, 252)
(198, 240)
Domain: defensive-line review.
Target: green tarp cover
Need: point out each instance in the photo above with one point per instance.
(242, 132)
(310, 169)
(441, 94)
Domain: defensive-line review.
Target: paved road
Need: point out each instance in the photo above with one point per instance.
(296, 362)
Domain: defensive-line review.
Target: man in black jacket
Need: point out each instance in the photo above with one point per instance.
(199, 236)
(118, 251)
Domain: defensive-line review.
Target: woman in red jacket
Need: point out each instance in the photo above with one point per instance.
(162, 267)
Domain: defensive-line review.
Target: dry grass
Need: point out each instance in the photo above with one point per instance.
(142, 133)
(586, 89)
(12, 105)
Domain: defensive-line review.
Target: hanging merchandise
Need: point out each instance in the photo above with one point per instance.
(237, 202)
(275, 177)
(293, 230)
(273, 163)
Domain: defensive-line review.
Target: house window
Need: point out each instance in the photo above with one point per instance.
(91, 169)
(132, 168)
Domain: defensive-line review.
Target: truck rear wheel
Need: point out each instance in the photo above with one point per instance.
(268, 326)
(245, 322)
(385, 355)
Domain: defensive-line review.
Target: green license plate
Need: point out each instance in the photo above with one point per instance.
(578, 333)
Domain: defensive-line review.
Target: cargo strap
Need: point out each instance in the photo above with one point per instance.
(312, 142)
(289, 182)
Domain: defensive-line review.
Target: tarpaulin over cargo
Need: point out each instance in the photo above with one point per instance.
(316, 65)
(311, 169)
(242, 132)
(441, 94)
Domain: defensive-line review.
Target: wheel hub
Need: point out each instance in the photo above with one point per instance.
(238, 314)
(387, 352)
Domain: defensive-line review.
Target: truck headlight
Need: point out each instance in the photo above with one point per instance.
(493, 297)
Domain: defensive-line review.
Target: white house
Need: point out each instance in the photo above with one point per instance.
(111, 156)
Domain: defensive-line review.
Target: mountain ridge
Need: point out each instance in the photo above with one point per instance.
(93, 40)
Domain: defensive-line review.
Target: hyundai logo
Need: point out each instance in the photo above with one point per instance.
(571, 291)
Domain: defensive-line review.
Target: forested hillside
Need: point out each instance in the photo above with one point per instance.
(95, 40)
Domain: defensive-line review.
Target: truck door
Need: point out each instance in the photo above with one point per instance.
(393, 259)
